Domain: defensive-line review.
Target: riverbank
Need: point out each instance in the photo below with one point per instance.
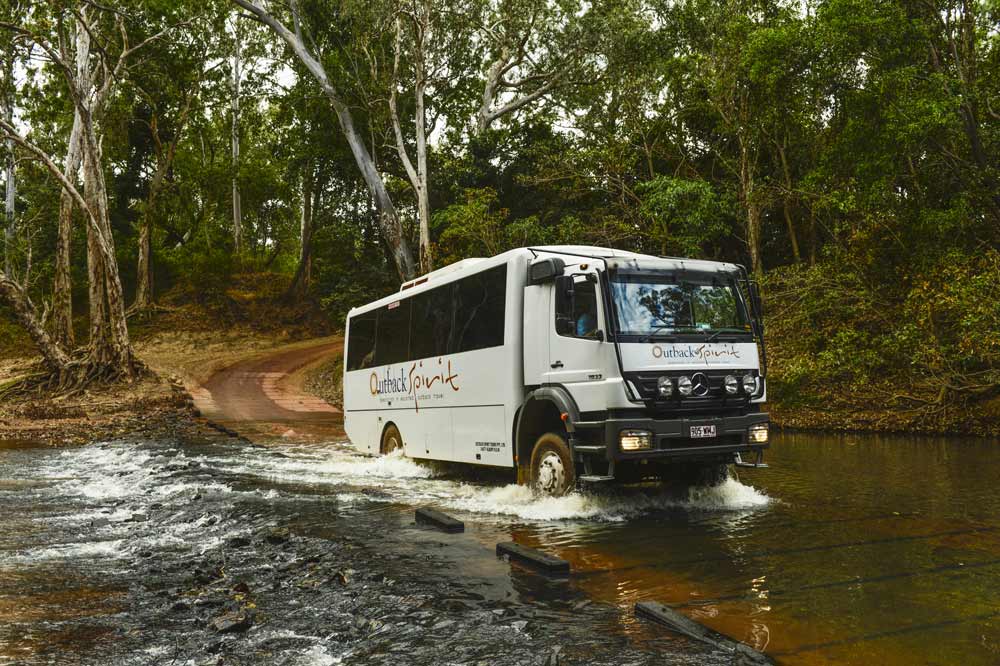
(183, 344)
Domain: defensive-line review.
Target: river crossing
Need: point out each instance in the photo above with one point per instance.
(851, 549)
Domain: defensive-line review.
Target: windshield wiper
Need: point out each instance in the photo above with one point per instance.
(718, 332)
(649, 336)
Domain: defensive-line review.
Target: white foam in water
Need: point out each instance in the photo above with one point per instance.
(731, 494)
(72, 551)
(398, 478)
(339, 467)
(520, 501)
(318, 656)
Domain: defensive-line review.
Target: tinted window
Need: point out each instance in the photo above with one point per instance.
(577, 316)
(361, 341)
(392, 342)
(479, 310)
(430, 323)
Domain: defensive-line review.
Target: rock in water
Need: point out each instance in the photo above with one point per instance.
(232, 623)
(237, 542)
(277, 537)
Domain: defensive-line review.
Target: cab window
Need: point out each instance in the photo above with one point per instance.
(576, 314)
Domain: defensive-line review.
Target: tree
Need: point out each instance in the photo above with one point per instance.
(389, 222)
(7, 87)
(531, 48)
(167, 88)
(110, 354)
(237, 75)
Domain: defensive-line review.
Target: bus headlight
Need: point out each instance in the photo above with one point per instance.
(635, 440)
(749, 384)
(757, 433)
(684, 385)
(664, 387)
(732, 386)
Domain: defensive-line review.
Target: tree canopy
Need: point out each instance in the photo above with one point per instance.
(846, 150)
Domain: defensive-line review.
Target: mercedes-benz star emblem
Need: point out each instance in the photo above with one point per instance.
(699, 384)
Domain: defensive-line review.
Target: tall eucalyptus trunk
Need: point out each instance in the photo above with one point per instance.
(303, 272)
(110, 344)
(10, 228)
(62, 292)
(235, 139)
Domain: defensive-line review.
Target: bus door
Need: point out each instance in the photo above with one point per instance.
(576, 337)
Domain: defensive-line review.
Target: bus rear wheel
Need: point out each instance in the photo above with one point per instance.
(391, 440)
(552, 470)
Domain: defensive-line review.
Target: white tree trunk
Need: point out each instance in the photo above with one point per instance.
(237, 74)
(110, 347)
(11, 228)
(11, 192)
(418, 175)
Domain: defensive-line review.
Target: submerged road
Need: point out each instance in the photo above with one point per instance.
(265, 393)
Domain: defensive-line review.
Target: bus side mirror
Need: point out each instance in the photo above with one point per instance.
(566, 290)
(755, 295)
(758, 306)
(545, 270)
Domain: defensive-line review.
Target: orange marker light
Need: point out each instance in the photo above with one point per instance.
(564, 416)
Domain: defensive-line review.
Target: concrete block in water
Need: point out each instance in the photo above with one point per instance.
(742, 653)
(440, 520)
(533, 557)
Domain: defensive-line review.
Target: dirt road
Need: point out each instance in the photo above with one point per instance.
(265, 393)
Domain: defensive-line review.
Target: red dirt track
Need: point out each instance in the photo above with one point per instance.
(265, 393)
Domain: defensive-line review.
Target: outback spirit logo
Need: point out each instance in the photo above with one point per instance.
(410, 383)
(697, 354)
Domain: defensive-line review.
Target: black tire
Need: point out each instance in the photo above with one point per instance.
(391, 440)
(552, 469)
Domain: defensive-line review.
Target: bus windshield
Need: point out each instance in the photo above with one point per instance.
(649, 305)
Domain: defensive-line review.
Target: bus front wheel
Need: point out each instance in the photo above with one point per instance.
(391, 440)
(552, 470)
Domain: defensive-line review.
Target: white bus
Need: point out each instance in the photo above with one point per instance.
(565, 364)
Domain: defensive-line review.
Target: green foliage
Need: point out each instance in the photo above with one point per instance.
(686, 216)
(861, 135)
(478, 227)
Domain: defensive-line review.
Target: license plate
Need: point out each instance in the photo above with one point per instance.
(702, 431)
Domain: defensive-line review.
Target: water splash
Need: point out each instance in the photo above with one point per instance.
(318, 656)
(400, 479)
(522, 502)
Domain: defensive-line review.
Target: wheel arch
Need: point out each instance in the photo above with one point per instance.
(541, 412)
(381, 435)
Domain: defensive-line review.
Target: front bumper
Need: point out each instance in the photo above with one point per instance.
(672, 437)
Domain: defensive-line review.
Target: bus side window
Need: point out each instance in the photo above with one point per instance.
(392, 340)
(361, 341)
(480, 304)
(430, 323)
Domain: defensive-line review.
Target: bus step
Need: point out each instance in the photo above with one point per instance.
(757, 464)
(593, 478)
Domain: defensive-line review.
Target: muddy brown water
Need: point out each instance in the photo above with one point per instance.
(850, 549)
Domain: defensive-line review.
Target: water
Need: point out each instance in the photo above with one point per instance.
(850, 549)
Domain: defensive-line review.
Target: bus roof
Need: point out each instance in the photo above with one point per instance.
(611, 256)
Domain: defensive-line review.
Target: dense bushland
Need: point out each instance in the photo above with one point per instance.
(847, 150)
